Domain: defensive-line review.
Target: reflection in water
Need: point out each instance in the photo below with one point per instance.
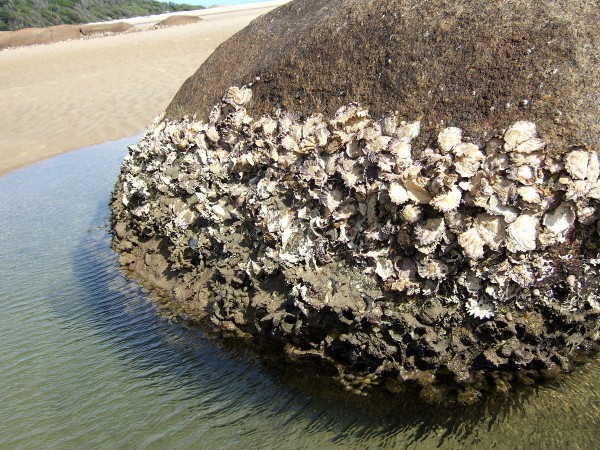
(86, 360)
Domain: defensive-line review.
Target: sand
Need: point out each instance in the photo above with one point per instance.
(64, 96)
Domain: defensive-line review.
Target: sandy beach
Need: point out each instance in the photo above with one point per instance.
(64, 96)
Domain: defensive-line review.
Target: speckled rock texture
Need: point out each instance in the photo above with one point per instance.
(478, 65)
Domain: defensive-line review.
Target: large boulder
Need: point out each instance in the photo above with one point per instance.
(444, 233)
(478, 64)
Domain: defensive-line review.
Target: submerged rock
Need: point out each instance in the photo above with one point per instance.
(405, 241)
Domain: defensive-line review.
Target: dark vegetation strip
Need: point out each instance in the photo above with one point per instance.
(17, 14)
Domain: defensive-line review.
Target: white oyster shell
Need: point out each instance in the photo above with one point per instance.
(331, 200)
(351, 117)
(576, 164)
(495, 207)
(236, 96)
(430, 231)
(468, 159)
(491, 229)
(471, 243)
(290, 144)
(523, 174)
(401, 151)
(593, 172)
(351, 175)
(519, 133)
(448, 201)
(416, 192)
(531, 146)
(529, 194)
(412, 213)
(344, 212)
(449, 138)
(398, 194)
(432, 269)
(388, 125)
(184, 219)
(385, 269)
(407, 131)
(522, 234)
(471, 282)
(268, 125)
(561, 220)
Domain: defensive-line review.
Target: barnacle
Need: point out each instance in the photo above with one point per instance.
(480, 309)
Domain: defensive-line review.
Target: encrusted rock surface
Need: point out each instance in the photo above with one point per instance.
(404, 190)
(479, 65)
(343, 240)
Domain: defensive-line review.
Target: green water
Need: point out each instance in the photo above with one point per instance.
(85, 362)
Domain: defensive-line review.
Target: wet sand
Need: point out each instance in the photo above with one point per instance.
(64, 96)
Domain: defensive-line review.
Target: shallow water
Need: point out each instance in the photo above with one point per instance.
(85, 361)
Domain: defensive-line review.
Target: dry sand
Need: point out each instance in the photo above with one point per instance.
(60, 97)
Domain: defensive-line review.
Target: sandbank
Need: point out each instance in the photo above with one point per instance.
(64, 96)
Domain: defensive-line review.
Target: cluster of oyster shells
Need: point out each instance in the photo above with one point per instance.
(467, 223)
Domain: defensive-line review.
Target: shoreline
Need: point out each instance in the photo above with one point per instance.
(67, 95)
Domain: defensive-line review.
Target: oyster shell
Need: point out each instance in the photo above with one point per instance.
(430, 231)
(385, 269)
(530, 194)
(560, 221)
(468, 159)
(237, 97)
(331, 200)
(448, 201)
(407, 131)
(449, 138)
(519, 133)
(388, 125)
(576, 164)
(416, 191)
(412, 213)
(401, 151)
(471, 244)
(432, 269)
(491, 229)
(522, 234)
(398, 193)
